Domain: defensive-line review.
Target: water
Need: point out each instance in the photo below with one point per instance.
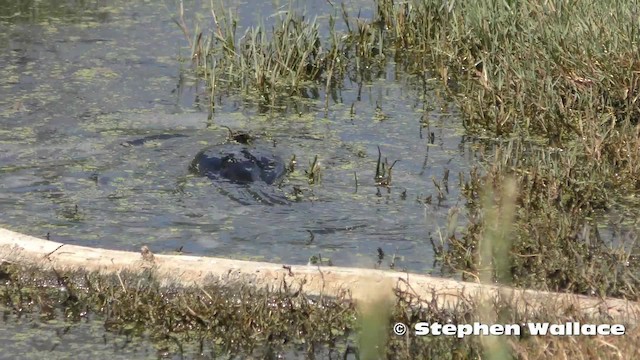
(81, 80)
(32, 338)
(82, 85)
(29, 337)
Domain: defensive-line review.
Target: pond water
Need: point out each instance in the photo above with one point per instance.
(79, 85)
(82, 79)
(31, 337)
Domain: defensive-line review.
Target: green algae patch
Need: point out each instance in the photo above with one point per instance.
(97, 73)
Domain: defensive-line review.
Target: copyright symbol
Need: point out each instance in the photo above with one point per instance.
(399, 329)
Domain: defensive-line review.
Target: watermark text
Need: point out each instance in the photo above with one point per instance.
(531, 328)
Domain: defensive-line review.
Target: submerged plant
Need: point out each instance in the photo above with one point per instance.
(314, 172)
(383, 171)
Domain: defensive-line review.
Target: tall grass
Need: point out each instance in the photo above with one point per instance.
(557, 82)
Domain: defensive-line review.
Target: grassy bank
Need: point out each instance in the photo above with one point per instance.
(555, 87)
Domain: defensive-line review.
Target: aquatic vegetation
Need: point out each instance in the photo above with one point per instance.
(236, 320)
(314, 171)
(383, 170)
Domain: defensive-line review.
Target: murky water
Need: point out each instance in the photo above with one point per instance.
(30, 337)
(81, 80)
(81, 86)
(33, 338)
